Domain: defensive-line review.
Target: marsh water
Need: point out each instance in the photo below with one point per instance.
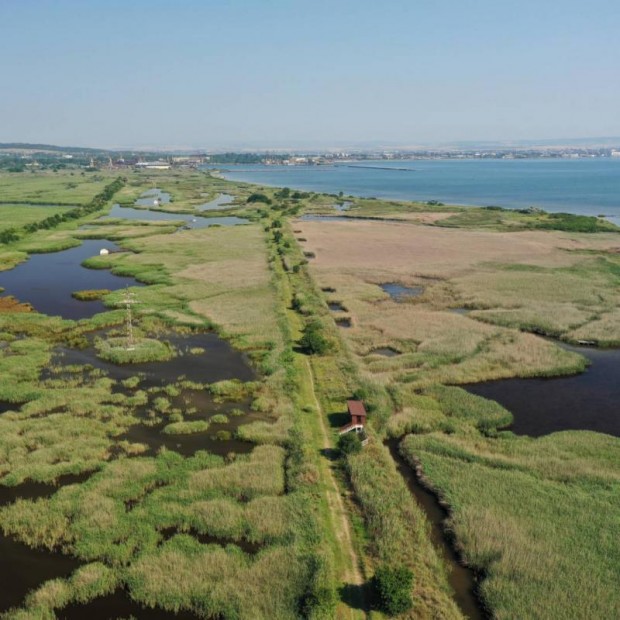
(118, 605)
(47, 280)
(587, 401)
(152, 215)
(221, 202)
(399, 292)
(462, 579)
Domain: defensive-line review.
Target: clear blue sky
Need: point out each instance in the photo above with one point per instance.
(217, 73)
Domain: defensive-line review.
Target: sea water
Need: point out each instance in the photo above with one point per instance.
(589, 186)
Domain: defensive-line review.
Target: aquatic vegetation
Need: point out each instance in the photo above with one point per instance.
(119, 351)
(90, 295)
(186, 428)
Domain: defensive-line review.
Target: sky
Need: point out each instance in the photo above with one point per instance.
(307, 73)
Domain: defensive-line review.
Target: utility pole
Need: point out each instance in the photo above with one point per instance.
(129, 300)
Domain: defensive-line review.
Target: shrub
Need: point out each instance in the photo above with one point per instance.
(349, 443)
(258, 197)
(313, 341)
(393, 585)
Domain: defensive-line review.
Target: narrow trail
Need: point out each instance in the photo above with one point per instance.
(353, 576)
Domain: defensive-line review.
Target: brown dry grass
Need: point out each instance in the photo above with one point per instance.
(10, 304)
(411, 249)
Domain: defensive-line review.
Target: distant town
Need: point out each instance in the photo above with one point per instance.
(17, 157)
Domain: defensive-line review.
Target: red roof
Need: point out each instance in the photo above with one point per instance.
(356, 407)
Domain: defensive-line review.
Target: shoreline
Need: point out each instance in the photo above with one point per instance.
(422, 194)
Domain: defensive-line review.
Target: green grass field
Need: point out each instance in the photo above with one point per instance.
(16, 215)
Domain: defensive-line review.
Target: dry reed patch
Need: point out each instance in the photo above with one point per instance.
(411, 249)
(605, 330)
(552, 318)
(511, 288)
(425, 217)
(10, 304)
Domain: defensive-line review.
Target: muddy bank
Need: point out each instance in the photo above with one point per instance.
(462, 580)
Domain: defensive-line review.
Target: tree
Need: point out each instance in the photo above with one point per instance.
(313, 341)
(393, 586)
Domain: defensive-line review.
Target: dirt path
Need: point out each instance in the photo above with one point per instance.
(353, 576)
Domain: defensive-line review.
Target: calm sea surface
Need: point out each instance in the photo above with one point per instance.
(588, 186)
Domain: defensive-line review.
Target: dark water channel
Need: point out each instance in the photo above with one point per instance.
(118, 605)
(23, 569)
(221, 202)
(46, 281)
(151, 215)
(36, 490)
(587, 401)
(462, 580)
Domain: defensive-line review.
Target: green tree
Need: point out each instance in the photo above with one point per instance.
(393, 586)
(313, 340)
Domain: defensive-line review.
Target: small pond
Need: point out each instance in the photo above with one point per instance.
(385, 352)
(46, 281)
(336, 306)
(398, 292)
(587, 401)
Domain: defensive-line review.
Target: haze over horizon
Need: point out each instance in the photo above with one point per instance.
(242, 73)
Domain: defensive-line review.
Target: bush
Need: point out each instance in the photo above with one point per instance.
(313, 341)
(349, 443)
(393, 588)
(257, 197)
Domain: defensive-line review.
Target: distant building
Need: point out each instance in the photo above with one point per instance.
(153, 165)
(615, 153)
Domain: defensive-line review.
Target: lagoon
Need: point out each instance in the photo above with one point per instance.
(586, 186)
